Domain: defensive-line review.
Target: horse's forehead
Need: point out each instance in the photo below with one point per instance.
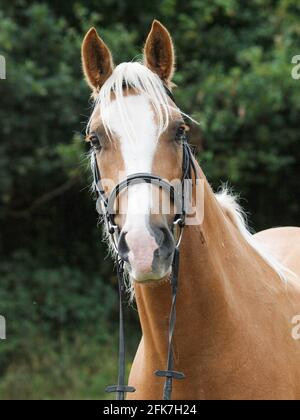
(134, 109)
(137, 135)
(134, 113)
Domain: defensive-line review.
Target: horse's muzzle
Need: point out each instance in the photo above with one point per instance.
(148, 253)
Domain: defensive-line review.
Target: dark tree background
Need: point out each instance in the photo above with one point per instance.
(57, 290)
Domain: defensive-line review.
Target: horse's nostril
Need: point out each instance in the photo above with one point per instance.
(165, 241)
(163, 253)
(123, 247)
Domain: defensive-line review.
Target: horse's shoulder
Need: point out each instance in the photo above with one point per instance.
(284, 244)
(282, 233)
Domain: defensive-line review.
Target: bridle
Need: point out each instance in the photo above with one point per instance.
(105, 205)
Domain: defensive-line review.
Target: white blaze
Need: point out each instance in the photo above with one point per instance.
(138, 146)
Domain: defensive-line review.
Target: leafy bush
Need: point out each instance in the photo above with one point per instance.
(51, 302)
(61, 332)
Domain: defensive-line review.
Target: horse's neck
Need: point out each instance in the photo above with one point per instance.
(218, 272)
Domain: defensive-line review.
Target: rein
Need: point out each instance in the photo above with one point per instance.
(107, 203)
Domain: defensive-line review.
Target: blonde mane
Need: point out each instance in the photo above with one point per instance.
(229, 202)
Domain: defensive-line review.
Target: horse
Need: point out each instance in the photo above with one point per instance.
(238, 292)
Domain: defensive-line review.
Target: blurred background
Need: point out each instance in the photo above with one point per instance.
(57, 286)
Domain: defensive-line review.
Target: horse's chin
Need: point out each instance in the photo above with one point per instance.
(151, 279)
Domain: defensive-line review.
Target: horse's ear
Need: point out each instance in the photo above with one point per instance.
(159, 52)
(96, 60)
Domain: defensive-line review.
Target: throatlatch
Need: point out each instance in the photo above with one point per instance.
(107, 204)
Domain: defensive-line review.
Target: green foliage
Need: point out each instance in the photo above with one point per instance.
(61, 330)
(234, 76)
(50, 302)
(75, 369)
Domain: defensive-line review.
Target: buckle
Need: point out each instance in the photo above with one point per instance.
(169, 374)
(119, 388)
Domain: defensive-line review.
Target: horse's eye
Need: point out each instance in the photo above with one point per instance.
(180, 134)
(94, 141)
